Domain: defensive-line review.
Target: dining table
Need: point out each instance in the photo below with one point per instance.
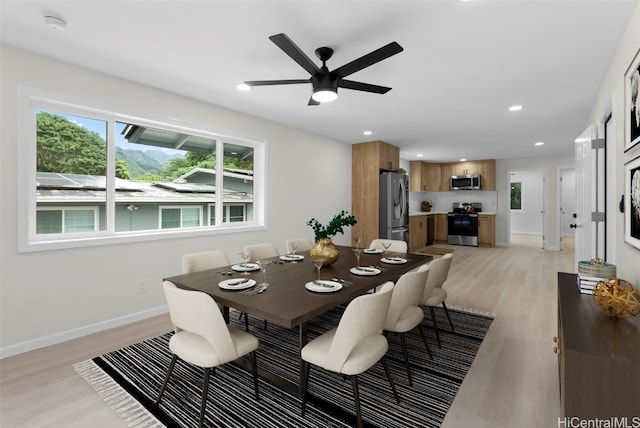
(287, 301)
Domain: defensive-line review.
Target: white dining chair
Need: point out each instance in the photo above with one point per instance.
(354, 346)
(203, 338)
(396, 245)
(404, 313)
(302, 244)
(204, 260)
(434, 294)
(261, 251)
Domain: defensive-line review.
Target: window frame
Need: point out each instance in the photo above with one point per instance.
(30, 100)
(162, 207)
(63, 209)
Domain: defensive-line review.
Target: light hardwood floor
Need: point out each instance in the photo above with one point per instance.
(513, 381)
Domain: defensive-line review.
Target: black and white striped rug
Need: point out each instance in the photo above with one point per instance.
(129, 380)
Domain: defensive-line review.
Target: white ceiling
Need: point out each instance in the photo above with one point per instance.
(463, 65)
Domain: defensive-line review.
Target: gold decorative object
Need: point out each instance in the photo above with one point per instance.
(325, 249)
(617, 298)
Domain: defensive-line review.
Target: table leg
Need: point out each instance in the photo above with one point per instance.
(303, 341)
(225, 313)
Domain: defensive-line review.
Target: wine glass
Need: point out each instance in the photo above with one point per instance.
(386, 246)
(263, 267)
(294, 248)
(318, 263)
(357, 241)
(245, 259)
(358, 253)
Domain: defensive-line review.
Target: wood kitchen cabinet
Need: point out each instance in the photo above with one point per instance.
(417, 232)
(486, 230)
(389, 156)
(424, 177)
(598, 358)
(367, 159)
(442, 227)
(486, 168)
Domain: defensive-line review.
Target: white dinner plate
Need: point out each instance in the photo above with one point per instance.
(365, 271)
(323, 286)
(245, 268)
(372, 250)
(291, 257)
(393, 260)
(237, 283)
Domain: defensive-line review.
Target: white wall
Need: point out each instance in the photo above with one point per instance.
(51, 296)
(550, 165)
(528, 219)
(611, 99)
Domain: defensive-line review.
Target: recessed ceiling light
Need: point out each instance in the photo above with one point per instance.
(463, 160)
(517, 107)
(56, 23)
(539, 143)
(368, 132)
(419, 155)
(243, 86)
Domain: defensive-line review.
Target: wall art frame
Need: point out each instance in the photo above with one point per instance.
(632, 202)
(632, 103)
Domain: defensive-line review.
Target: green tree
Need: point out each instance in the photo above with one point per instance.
(66, 148)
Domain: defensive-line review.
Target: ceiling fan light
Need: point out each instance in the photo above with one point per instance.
(324, 95)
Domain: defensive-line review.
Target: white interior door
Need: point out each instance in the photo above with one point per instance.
(588, 219)
(567, 201)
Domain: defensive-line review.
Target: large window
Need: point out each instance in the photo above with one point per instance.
(104, 175)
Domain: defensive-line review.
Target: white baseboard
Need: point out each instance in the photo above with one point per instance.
(54, 339)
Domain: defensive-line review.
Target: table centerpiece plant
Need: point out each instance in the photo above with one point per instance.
(324, 248)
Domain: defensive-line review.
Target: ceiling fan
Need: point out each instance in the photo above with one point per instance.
(325, 83)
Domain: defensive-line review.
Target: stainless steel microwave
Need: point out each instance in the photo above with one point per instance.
(465, 182)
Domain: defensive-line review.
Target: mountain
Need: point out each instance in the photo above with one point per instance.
(141, 162)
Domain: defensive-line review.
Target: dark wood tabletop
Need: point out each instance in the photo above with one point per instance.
(287, 302)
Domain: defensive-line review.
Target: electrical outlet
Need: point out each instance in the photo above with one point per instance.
(143, 286)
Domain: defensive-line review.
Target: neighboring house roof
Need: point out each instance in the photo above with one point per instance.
(78, 188)
(242, 174)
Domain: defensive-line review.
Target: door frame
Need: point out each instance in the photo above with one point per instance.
(545, 203)
(559, 202)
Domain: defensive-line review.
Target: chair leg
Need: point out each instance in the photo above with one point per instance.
(435, 325)
(255, 373)
(446, 311)
(393, 387)
(166, 379)
(356, 396)
(265, 324)
(424, 339)
(246, 322)
(406, 358)
(240, 316)
(306, 367)
(205, 391)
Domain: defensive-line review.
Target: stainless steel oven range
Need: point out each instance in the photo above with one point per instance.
(463, 223)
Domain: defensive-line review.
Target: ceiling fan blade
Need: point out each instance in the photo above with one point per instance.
(286, 44)
(359, 86)
(313, 102)
(368, 59)
(276, 82)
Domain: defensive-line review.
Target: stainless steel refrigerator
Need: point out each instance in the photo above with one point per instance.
(394, 206)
